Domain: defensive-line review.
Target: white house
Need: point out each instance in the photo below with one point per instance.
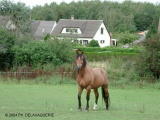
(83, 30)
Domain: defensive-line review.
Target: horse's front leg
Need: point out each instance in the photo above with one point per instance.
(79, 97)
(88, 97)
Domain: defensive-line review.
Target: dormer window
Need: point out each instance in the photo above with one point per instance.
(101, 30)
(71, 30)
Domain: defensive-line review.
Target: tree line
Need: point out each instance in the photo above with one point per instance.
(118, 17)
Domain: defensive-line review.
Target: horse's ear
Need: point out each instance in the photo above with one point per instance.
(82, 52)
(78, 52)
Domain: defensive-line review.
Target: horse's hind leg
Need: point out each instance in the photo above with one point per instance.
(105, 95)
(79, 97)
(96, 98)
(88, 97)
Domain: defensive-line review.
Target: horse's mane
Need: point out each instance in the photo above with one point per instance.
(84, 59)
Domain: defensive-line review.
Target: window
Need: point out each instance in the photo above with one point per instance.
(85, 42)
(74, 31)
(67, 30)
(71, 30)
(80, 41)
(76, 41)
(101, 30)
(114, 42)
(102, 41)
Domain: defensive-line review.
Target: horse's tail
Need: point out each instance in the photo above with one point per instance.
(105, 98)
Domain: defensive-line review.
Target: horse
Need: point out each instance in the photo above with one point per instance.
(90, 78)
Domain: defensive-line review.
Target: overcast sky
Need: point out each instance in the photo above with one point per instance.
(32, 3)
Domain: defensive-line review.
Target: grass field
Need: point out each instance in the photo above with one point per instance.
(126, 104)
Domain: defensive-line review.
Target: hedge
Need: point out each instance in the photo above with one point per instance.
(92, 56)
(110, 49)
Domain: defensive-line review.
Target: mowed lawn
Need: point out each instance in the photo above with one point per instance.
(126, 104)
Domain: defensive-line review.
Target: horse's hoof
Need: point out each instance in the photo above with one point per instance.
(107, 109)
(95, 107)
(80, 109)
(87, 109)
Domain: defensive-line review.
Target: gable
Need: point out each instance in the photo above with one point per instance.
(41, 28)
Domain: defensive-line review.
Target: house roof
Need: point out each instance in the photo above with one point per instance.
(40, 28)
(87, 27)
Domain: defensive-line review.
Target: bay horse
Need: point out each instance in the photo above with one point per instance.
(90, 78)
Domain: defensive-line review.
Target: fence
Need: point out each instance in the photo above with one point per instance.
(25, 74)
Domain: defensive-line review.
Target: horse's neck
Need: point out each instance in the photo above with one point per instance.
(82, 71)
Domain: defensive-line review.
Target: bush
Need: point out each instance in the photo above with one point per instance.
(93, 43)
(110, 49)
(150, 62)
(125, 38)
(35, 53)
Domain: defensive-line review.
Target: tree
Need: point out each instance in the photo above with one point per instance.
(153, 30)
(152, 56)
(126, 37)
(7, 40)
(142, 21)
(144, 18)
(150, 61)
(118, 17)
(19, 13)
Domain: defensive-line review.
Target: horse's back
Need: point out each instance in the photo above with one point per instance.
(100, 76)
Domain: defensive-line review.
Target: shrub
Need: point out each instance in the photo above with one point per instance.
(35, 53)
(93, 43)
(47, 37)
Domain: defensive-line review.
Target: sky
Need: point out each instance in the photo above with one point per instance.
(32, 3)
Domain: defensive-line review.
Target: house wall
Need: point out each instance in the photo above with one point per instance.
(105, 36)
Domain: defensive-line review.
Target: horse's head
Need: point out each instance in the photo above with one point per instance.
(80, 60)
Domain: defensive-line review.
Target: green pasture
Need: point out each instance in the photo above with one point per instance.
(131, 103)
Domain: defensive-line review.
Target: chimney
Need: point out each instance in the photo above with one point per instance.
(72, 17)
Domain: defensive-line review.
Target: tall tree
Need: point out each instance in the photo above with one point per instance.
(18, 12)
